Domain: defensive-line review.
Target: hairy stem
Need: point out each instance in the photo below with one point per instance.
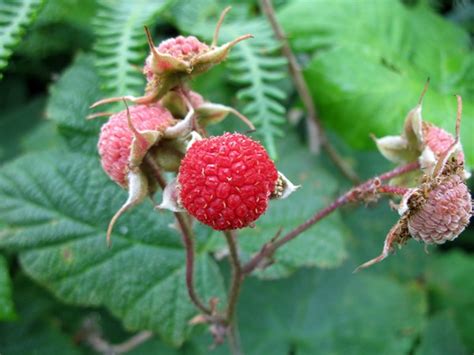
(358, 193)
(236, 274)
(303, 92)
(234, 291)
(392, 190)
(188, 241)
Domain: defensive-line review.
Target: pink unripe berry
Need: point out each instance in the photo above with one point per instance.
(183, 48)
(444, 214)
(116, 137)
(226, 181)
(438, 140)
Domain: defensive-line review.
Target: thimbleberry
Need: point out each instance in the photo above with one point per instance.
(115, 142)
(226, 181)
(444, 214)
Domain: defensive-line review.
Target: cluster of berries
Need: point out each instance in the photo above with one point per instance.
(227, 181)
(224, 182)
(437, 207)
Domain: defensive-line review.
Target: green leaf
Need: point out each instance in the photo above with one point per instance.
(330, 312)
(15, 15)
(449, 280)
(57, 208)
(322, 245)
(7, 310)
(17, 121)
(441, 337)
(69, 103)
(366, 75)
(121, 43)
(43, 137)
(255, 65)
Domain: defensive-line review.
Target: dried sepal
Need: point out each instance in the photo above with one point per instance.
(283, 188)
(398, 235)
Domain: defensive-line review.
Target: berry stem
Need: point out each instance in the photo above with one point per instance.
(356, 194)
(186, 233)
(187, 236)
(237, 276)
(392, 190)
(320, 138)
(234, 291)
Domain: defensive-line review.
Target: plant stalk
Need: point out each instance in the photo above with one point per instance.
(188, 241)
(234, 292)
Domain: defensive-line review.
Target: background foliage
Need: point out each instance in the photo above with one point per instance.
(365, 63)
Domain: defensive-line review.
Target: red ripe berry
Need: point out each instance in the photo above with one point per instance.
(226, 181)
(116, 137)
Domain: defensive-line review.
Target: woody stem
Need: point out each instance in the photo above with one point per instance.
(356, 194)
(188, 241)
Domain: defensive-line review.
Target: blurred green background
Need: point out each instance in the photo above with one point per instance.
(365, 62)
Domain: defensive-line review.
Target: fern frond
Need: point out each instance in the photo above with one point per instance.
(121, 42)
(15, 15)
(254, 65)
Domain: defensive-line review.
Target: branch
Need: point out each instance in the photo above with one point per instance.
(365, 191)
(320, 138)
(187, 236)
